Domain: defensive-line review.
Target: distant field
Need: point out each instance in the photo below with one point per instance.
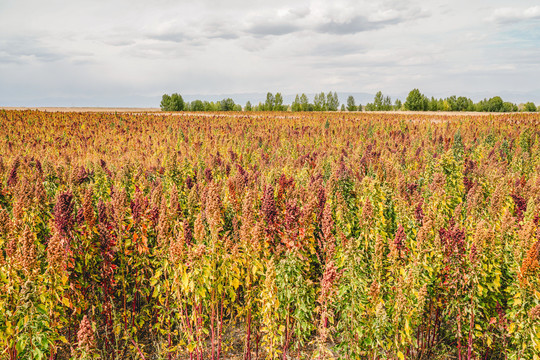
(269, 235)
(84, 109)
(145, 110)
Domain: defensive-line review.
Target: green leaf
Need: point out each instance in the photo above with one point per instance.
(41, 309)
(20, 346)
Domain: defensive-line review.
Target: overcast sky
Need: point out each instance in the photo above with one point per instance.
(129, 52)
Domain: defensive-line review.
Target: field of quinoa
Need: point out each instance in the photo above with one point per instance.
(269, 236)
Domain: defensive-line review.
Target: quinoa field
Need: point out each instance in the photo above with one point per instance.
(263, 235)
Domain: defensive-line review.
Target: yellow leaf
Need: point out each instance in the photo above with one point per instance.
(66, 302)
(400, 355)
(497, 282)
(63, 339)
(407, 328)
(185, 280)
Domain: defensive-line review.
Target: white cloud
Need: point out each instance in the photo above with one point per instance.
(512, 14)
(81, 47)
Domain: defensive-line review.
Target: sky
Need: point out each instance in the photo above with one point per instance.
(130, 52)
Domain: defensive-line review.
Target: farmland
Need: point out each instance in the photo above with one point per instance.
(269, 235)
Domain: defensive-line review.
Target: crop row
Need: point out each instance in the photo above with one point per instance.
(266, 236)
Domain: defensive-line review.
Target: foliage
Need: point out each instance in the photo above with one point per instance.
(174, 102)
(416, 101)
(227, 104)
(308, 236)
(351, 104)
(529, 106)
(330, 102)
(380, 103)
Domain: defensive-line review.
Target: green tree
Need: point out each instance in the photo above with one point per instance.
(433, 104)
(248, 106)
(416, 101)
(351, 104)
(304, 102)
(172, 103)
(509, 107)
(296, 105)
(530, 106)
(177, 103)
(210, 106)
(452, 103)
(441, 105)
(197, 105)
(464, 104)
(387, 103)
(278, 102)
(319, 102)
(270, 101)
(227, 104)
(378, 101)
(482, 105)
(495, 104)
(165, 102)
(370, 107)
(397, 105)
(332, 101)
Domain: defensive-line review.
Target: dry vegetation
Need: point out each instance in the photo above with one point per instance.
(266, 236)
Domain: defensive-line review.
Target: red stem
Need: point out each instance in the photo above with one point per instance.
(247, 352)
(459, 333)
(257, 340)
(212, 328)
(199, 331)
(139, 350)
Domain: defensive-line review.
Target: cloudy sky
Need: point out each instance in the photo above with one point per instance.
(129, 52)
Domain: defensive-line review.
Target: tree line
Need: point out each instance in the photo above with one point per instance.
(175, 102)
(416, 101)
